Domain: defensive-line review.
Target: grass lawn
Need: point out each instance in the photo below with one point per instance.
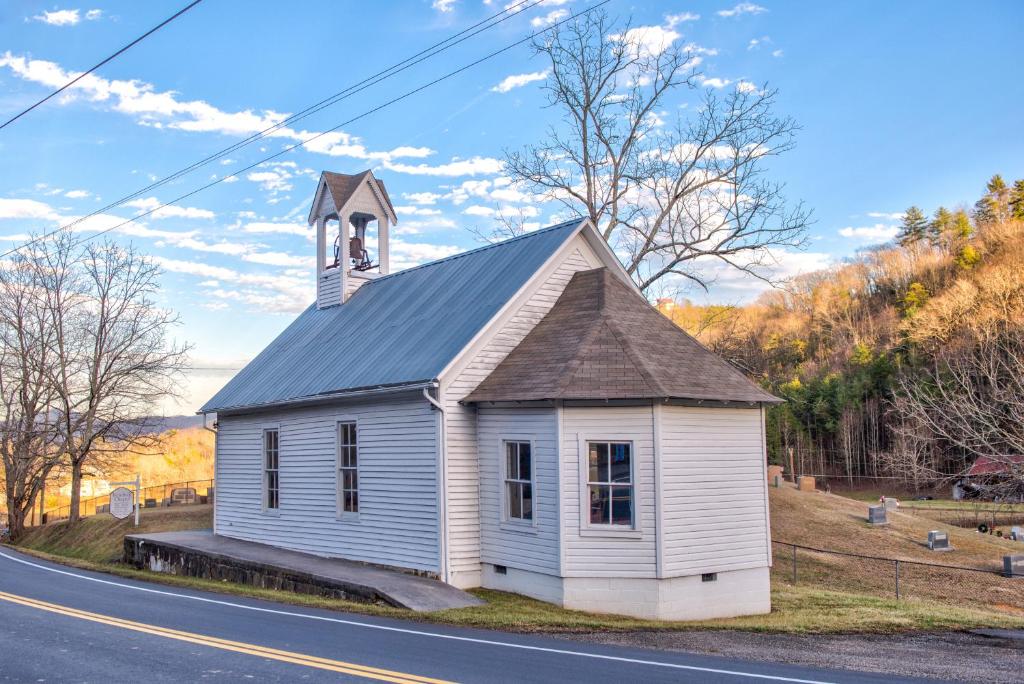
(829, 598)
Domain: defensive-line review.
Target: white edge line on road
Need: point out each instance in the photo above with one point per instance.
(417, 632)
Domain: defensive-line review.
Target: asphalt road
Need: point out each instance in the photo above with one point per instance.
(58, 624)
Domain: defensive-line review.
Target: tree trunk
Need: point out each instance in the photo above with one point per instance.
(76, 491)
(15, 518)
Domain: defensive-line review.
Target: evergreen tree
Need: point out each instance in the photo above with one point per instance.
(914, 227)
(962, 228)
(995, 203)
(940, 225)
(1017, 200)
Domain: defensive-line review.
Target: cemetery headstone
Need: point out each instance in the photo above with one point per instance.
(806, 483)
(777, 482)
(876, 515)
(891, 504)
(1017, 533)
(1013, 566)
(938, 541)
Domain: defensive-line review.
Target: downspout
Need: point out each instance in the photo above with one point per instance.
(216, 497)
(442, 480)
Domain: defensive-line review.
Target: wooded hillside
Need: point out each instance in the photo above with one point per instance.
(905, 361)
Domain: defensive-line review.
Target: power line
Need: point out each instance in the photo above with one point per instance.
(345, 93)
(366, 113)
(82, 75)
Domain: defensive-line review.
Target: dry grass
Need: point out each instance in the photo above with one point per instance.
(100, 538)
(827, 521)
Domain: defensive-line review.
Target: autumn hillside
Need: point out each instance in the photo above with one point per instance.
(905, 362)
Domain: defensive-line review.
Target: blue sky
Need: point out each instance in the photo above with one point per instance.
(909, 103)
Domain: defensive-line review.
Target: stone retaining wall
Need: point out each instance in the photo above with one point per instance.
(174, 560)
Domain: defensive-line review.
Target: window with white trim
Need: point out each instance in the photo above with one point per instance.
(610, 483)
(348, 468)
(271, 473)
(518, 481)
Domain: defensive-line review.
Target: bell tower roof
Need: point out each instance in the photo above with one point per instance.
(339, 188)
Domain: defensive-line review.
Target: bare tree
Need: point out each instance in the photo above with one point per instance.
(27, 437)
(972, 400)
(112, 361)
(672, 197)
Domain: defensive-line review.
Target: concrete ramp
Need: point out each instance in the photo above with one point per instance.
(200, 553)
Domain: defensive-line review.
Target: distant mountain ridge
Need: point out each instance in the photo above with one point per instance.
(158, 424)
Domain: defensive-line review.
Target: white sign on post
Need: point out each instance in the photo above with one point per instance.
(122, 503)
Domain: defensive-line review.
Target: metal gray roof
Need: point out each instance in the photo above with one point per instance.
(399, 329)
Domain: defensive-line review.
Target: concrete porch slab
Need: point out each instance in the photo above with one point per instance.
(200, 553)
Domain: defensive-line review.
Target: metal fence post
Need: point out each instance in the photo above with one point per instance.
(897, 580)
(794, 564)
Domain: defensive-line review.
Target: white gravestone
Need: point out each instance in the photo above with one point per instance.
(938, 541)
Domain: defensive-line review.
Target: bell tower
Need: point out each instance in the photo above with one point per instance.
(353, 215)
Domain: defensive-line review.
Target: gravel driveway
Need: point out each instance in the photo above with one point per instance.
(961, 656)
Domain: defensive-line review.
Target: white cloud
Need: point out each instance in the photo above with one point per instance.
(648, 40)
(673, 20)
(77, 194)
(407, 151)
(273, 181)
(67, 17)
(408, 254)
(444, 5)
(777, 53)
(26, 209)
(274, 293)
(278, 259)
(477, 210)
(171, 211)
(746, 87)
(518, 81)
(166, 110)
(456, 167)
(422, 197)
(891, 216)
(880, 232)
(417, 211)
(714, 82)
(742, 8)
(549, 18)
(282, 228)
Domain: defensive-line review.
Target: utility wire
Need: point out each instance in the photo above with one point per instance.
(366, 113)
(380, 76)
(82, 75)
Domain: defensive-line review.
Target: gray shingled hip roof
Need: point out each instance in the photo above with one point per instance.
(602, 340)
(397, 330)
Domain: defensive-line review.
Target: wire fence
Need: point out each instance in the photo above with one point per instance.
(992, 516)
(898, 578)
(189, 492)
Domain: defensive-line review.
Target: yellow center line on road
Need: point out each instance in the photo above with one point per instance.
(227, 645)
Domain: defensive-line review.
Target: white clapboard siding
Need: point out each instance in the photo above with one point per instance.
(515, 544)
(397, 521)
(713, 490)
(588, 553)
(463, 466)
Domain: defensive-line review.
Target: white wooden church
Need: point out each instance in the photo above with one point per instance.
(515, 417)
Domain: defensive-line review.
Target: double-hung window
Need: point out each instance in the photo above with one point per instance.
(348, 468)
(610, 483)
(271, 473)
(518, 481)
